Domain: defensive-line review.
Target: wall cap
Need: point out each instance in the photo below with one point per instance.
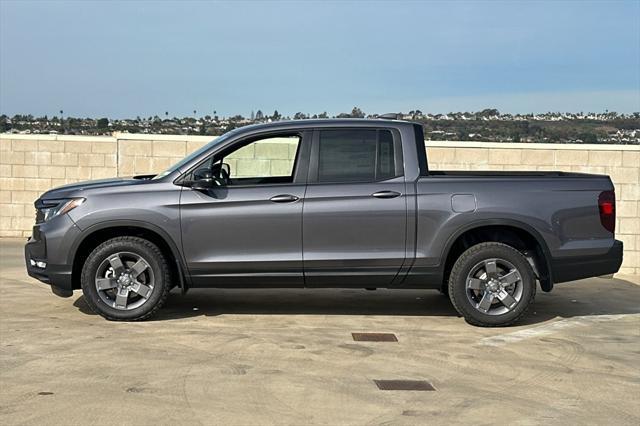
(69, 138)
(524, 145)
(435, 144)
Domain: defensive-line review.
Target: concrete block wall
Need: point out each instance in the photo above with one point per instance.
(31, 164)
(146, 154)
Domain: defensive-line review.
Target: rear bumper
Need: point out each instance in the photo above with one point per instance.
(579, 267)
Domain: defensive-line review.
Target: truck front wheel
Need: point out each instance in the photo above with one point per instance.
(492, 285)
(126, 279)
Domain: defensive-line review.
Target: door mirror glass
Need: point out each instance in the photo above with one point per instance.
(207, 184)
(202, 173)
(203, 184)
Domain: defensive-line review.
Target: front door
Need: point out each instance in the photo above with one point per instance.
(248, 230)
(355, 212)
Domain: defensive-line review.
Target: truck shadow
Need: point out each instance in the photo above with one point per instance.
(590, 297)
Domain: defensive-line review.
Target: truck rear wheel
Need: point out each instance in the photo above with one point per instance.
(126, 279)
(492, 285)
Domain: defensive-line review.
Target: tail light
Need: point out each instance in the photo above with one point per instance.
(607, 207)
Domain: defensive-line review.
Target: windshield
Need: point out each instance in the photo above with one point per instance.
(193, 155)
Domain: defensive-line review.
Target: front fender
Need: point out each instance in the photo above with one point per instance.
(87, 232)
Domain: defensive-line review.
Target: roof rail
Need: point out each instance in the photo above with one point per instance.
(391, 116)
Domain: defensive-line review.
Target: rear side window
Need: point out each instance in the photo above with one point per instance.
(356, 156)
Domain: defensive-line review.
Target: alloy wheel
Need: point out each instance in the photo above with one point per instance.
(494, 286)
(124, 281)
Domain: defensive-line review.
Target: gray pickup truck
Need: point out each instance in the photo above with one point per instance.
(324, 203)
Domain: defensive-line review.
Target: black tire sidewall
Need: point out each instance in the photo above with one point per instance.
(470, 258)
(149, 252)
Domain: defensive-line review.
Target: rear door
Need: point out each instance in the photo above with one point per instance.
(355, 212)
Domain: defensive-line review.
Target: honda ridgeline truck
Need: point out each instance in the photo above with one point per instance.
(324, 203)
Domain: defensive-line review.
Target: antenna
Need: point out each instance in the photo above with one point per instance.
(391, 116)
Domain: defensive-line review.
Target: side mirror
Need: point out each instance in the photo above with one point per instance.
(206, 184)
(203, 184)
(203, 173)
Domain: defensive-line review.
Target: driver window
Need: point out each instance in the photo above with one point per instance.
(264, 161)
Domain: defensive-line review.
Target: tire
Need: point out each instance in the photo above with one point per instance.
(131, 289)
(484, 288)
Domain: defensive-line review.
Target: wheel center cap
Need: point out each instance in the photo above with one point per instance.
(493, 286)
(124, 279)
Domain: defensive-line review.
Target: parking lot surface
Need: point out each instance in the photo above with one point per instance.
(239, 357)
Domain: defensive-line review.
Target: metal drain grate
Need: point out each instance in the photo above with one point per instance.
(374, 337)
(404, 385)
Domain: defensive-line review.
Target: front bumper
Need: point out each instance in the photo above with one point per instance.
(46, 255)
(579, 267)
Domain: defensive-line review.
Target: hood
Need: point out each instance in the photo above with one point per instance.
(76, 189)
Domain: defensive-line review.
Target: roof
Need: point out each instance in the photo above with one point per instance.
(323, 122)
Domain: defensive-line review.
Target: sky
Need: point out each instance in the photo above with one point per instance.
(142, 58)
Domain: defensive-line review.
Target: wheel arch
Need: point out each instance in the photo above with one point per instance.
(512, 232)
(94, 235)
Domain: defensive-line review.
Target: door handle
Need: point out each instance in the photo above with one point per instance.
(386, 194)
(284, 198)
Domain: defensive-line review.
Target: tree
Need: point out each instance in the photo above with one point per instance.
(489, 112)
(4, 123)
(102, 124)
(299, 116)
(588, 137)
(323, 115)
(357, 113)
(276, 116)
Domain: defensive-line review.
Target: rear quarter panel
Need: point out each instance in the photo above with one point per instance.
(563, 211)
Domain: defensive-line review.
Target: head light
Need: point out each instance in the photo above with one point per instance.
(47, 210)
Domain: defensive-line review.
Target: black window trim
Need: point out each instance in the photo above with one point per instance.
(313, 177)
(421, 149)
